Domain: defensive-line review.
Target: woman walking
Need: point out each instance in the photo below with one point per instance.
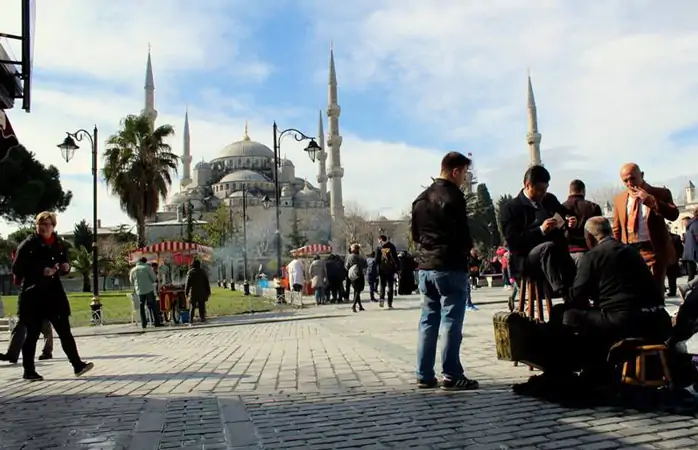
(356, 268)
(40, 261)
(198, 290)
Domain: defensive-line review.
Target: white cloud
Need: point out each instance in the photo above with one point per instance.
(613, 79)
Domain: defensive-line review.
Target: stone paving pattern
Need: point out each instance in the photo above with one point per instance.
(334, 380)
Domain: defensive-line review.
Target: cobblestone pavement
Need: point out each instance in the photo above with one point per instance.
(344, 381)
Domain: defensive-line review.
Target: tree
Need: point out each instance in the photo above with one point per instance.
(138, 168)
(355, 227)
(82, 235)
(479, 231)
(190, 222)
(82, 264)
(488, 214)
(295, 238)
(27, 187)
(218, 229)
(501, 201)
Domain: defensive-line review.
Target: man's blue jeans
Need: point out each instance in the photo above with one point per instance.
(444, 296)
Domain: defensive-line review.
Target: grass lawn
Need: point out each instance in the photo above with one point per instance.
(117, 305)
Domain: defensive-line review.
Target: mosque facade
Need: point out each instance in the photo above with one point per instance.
(245, 169)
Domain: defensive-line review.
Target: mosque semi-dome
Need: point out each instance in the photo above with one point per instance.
(202, 165)
(243, 175)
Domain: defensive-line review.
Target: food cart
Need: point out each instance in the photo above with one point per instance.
(173, 301)
(306, 252)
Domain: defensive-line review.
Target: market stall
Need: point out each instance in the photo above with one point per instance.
(305, 253)
(173, 301)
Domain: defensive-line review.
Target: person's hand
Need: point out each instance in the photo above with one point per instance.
(50, 271)
(65, 267)
(571, 221)
(548, 225)
(637, 192)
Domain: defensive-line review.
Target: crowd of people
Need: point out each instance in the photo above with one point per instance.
(384, 271)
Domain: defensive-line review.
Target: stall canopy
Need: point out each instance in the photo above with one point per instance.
(311, 250)
(178, 250)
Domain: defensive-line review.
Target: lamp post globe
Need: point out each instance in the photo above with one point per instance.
(68, 147)
(313, 149)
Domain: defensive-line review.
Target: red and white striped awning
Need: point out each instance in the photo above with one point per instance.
(170, 247)
(311, 250)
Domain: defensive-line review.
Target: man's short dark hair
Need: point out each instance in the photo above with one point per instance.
(577, 186)
(383, 238)
(143, 260)
(454, 160)
(536, 174)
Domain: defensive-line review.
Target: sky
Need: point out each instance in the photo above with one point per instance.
(614, 81)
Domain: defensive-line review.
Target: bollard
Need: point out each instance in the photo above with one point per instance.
(96, 307)
(280, 295)
(246, 287)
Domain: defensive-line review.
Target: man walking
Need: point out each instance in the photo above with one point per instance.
(440, 228)
(19, 334)
(387, 263)
(143, 280)
(690, 244)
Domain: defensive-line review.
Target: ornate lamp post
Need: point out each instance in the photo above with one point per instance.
(68, 148)
(313, 148)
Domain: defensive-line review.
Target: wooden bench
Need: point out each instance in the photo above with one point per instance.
(490, 277)
(644, 366)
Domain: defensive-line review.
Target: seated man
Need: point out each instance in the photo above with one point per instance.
(533, 224)
(626, 300)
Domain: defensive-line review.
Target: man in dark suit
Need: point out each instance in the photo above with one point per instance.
(533, 223)
(583, 209)
(639, 216)
(614, 297)
(690, 244)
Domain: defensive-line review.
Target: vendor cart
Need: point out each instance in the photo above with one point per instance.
(172, 299)
(306, 252)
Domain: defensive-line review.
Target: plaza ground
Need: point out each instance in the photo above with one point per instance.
(318, 378)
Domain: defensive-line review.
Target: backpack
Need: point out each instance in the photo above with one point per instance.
(354, 272)
(388, 263)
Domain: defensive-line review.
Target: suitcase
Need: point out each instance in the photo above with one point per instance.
(514, 336)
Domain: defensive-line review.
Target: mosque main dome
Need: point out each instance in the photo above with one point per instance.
(245, 148)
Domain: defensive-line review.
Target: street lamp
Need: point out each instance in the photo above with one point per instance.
(68, 148)
(312, 149)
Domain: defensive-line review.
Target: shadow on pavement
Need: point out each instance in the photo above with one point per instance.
(155, 376)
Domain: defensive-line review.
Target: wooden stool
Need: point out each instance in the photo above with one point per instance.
(533, 302)
(635, 369)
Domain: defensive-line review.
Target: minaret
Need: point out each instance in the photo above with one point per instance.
(186, 154)
(334, 141)
(533, 136)
(149, 109)
(321, 158)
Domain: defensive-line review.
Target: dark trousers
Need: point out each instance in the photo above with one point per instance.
(149, 301)
(672, 273)
(552, 263)
(62, 327)
(19, 335)
(347, 289)
(358, 287)
(372, 288)
(387, 280)
(474, 279)
(201, 305)
(335, 291)
(690, 269)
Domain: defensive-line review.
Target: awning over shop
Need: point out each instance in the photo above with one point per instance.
(8, 139)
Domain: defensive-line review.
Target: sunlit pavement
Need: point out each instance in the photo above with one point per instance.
(333, 380)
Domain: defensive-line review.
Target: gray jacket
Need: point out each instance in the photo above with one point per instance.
(317, 273)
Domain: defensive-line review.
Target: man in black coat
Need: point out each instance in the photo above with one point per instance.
(534, 224)
(39, 262)
(388, 265)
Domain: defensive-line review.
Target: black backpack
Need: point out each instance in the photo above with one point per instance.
(388, 263)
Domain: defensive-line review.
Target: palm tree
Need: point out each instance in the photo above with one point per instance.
(82, 235)
(82, 264)
(138, 168)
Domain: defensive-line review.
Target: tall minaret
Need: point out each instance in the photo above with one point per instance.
(149, 109)
(186, 154)
(533, 136)
(321, 158)
(334, 141)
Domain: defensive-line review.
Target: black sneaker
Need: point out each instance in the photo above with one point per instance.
(5, 357)
(428, 384)
(45, 356)
(83, 369)
(461, 384)
(32, 377)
